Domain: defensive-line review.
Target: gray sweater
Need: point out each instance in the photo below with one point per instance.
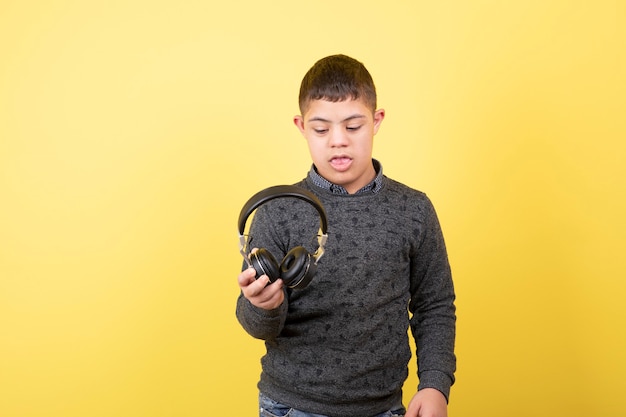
(340, 347)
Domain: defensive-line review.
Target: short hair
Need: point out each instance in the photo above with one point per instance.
(337, 78)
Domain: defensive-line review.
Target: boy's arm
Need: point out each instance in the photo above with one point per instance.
(261, 308)
(433, 320)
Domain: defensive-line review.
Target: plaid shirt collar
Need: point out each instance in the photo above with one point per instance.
(372, 187)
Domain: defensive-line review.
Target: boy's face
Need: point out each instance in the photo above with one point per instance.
(340, 136)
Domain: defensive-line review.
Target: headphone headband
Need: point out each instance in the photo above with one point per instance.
(280, 191)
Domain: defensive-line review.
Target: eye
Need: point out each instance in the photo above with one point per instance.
(353, 128)
(320, 131)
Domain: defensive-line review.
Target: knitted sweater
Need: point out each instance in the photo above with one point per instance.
(340, 347)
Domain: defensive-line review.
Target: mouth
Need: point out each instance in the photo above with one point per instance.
(340, 162)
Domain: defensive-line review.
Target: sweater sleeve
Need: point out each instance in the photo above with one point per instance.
(260, 323)
(433, 321)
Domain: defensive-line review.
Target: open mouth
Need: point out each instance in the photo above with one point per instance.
(341, 163)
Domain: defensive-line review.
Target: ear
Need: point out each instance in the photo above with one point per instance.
(379, 115)
(299, 122)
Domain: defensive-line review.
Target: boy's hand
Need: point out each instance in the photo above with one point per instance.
(428, 402)
(261, 295)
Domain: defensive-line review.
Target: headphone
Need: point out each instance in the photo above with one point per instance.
(298, 267)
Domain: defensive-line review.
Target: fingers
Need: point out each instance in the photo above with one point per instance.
(270, 297)
(246, 277)
(250, 284)
(259, 292)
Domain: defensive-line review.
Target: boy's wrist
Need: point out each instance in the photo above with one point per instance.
(436, 380)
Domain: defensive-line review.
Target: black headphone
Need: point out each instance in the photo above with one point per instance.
(296, 269)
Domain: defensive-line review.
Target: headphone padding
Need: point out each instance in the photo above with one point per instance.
(295, 266)
(309, 273)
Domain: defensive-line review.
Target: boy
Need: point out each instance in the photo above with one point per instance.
(339, 347)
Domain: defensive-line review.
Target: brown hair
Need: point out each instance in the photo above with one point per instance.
(337, 78)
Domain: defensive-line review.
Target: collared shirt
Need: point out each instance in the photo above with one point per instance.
(372, 187)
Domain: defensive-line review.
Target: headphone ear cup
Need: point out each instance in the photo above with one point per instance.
(296, 269)
(264, 263)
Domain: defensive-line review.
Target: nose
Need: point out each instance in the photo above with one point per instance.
(338, 138)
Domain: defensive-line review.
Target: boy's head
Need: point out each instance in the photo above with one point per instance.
(339, 120)
(337, 78)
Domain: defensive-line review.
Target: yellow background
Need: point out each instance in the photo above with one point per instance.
(132, 132)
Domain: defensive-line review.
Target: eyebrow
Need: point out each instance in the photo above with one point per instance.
(347, 119)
